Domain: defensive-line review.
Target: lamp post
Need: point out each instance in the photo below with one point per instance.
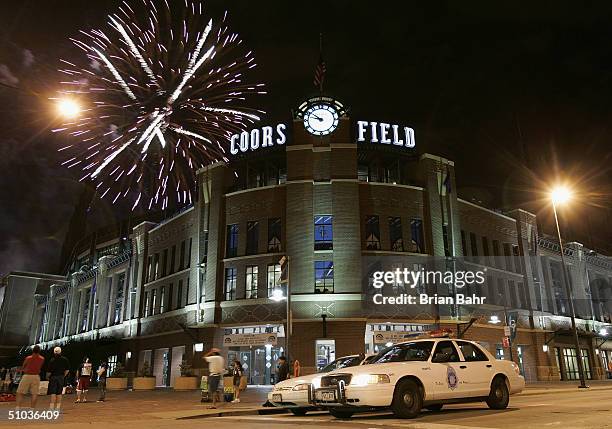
(561, 195)
(277, 295)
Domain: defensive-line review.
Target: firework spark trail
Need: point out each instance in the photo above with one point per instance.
(161, 96)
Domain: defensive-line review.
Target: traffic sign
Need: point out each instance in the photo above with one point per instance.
(506, 342)
(506, 331)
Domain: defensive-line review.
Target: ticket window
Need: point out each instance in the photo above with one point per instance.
(325, 352)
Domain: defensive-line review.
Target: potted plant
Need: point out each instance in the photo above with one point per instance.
(186, 381)
(145, 379)
(117, 380)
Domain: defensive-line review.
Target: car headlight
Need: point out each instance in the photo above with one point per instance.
(365, 379)
(276, 387)
(316, 382)
(303, 386)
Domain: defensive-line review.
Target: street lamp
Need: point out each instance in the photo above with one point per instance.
(561, 195)
(277, 295)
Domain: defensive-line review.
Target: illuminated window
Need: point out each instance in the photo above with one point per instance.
(251, 282)
(274, 275)
(324, 276)
(230, 284)
(323, 233)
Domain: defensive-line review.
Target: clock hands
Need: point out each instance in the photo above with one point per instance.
(317, 117)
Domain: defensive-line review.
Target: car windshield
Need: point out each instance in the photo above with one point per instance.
(344, 362)
(405, 352)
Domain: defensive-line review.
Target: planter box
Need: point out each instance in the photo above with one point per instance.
(116, 383)
(144, 383)
(186, 383)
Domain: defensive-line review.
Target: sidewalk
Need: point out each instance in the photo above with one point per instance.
(543, 387)
(159, 404)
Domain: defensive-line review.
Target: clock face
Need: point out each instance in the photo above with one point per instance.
(321, 119)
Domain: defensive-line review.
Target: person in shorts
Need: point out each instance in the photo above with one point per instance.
(237, 373)
(30, 381)
(84, 378)
(57, 371)
(216, 368)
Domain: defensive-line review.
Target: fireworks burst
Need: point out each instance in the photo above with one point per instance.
(159, 100)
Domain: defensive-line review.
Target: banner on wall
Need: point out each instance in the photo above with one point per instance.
(384, 337)
(239, 340)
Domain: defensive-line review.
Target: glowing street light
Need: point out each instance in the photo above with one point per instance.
(561, 195)
(68, 108)
(277, 295)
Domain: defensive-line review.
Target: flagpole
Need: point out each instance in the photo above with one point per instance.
(320, 58)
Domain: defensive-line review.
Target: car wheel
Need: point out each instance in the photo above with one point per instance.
(499, 396)
(298, 411)
(407, 400)
(340, 414)
(435, 407)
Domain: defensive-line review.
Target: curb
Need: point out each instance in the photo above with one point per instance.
(244, 412)
(565, 390)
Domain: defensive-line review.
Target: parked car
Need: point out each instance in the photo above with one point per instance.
(295, 393)
(423, 373)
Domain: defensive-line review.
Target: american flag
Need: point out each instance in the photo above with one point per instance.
(319, 75)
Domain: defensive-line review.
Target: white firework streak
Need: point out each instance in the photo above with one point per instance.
(112, 156)
(232, 111)
(134, 50)
(150, 139)
(160, 136)
(191, 134)
(191, 68)
(156, 120)
(115, 73)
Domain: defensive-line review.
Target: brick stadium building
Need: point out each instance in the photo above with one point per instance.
(207, 275)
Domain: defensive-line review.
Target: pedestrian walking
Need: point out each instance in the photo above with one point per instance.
(610, 368)
(237, 377)
(57, 372)
(84, 378)
(102, 374)
(216, 368)
(282, 370)
(30, 381)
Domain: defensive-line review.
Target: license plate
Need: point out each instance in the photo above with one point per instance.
(277, 397)
(326, 395)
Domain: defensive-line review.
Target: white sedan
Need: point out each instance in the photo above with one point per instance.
(427, 373)
(296, 394)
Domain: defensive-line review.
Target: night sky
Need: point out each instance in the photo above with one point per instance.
(519, 94)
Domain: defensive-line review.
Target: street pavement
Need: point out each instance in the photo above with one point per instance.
(553, 405)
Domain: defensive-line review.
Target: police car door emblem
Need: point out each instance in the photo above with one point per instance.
(451, 378)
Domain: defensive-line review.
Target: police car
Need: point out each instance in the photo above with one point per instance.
(421, 373)
(296, 393)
